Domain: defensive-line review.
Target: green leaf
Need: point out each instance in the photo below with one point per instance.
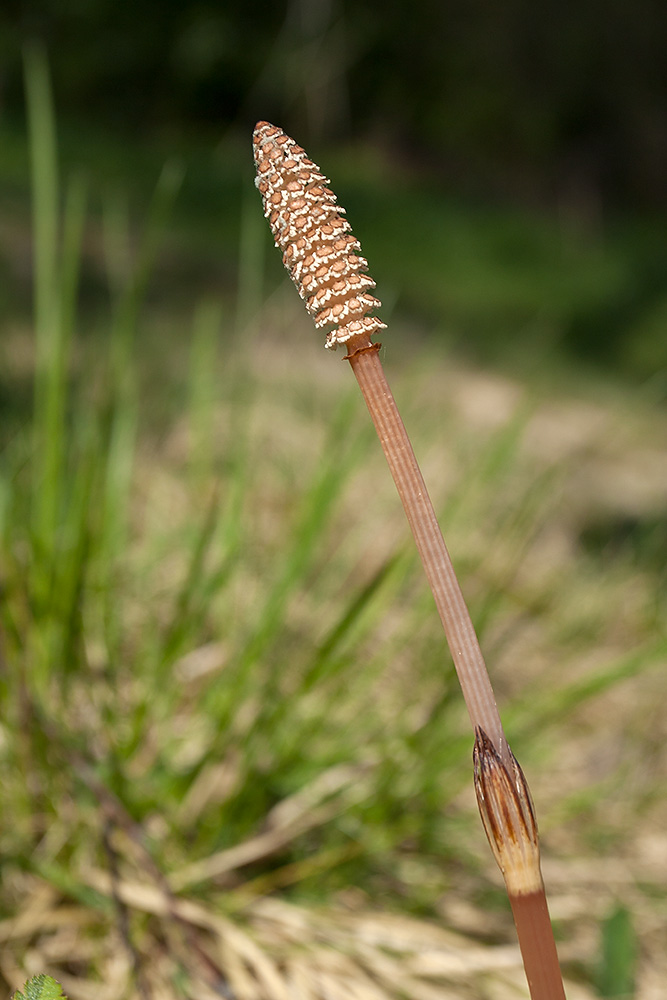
(41, 988)
(619, 955)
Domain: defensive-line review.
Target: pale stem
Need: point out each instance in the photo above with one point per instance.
(463, 643)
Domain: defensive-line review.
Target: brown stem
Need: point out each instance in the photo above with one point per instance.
(463, 643)
(538, 949)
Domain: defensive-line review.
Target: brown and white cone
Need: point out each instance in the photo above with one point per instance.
(319, 251)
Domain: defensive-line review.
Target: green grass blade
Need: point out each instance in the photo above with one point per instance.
(616, 976)
(48, 330)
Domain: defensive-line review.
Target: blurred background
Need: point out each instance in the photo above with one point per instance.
(514, 156)
(234, 757)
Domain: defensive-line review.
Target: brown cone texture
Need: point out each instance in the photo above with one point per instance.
(319, 251)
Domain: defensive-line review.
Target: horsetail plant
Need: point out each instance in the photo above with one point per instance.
(324, 261)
